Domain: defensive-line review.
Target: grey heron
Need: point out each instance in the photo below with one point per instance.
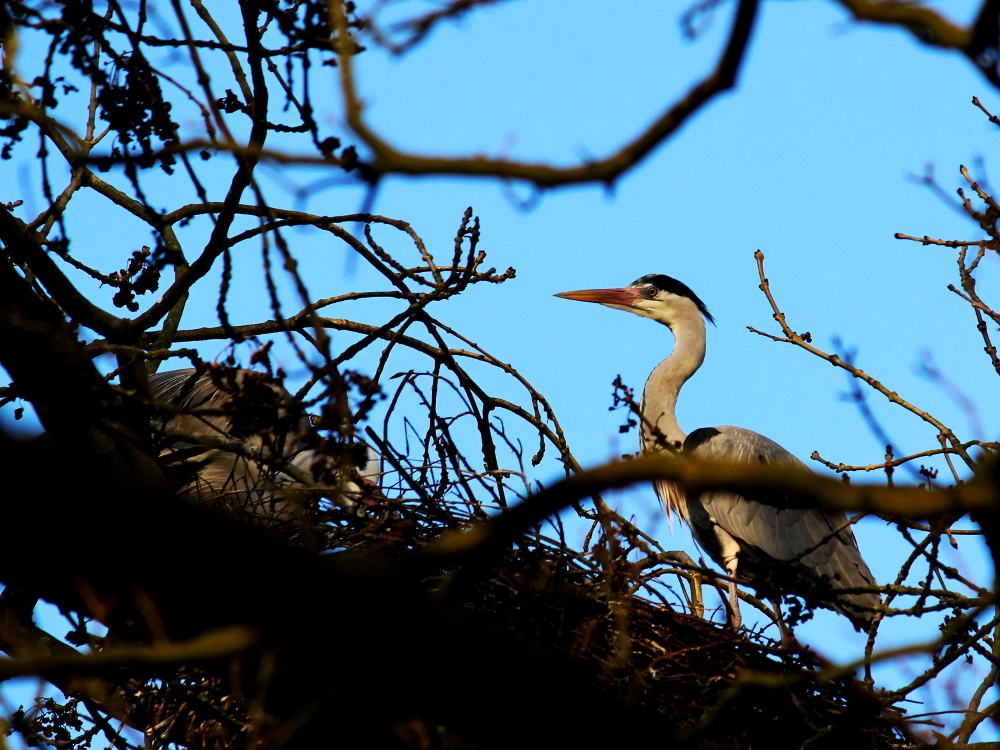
(774, 541)
(230, 441)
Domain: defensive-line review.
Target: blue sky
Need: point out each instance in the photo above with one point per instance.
(807, 161)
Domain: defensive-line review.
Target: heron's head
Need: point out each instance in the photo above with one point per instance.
(662, 298)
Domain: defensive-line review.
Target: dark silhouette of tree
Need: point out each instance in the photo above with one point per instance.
(449, 608)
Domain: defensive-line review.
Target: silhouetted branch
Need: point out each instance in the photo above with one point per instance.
(387, 159)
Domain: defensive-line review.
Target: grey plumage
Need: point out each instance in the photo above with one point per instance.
(783, 545)
(230, 441)
(775, 541)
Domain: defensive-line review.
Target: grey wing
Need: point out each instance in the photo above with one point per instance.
(821, 543)
(215, 475)
(208, 404)
(184, 389)
(235, 479)
(169, 385)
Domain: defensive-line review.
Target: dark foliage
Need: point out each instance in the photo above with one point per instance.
(429, 608)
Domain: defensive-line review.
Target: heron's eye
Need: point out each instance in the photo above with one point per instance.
(651, 292)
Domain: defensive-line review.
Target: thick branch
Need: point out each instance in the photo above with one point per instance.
(214, 645)
(205, 573)
(695, 476)
(24, 243)
(977, 42)
(388, 159)
(50, 368)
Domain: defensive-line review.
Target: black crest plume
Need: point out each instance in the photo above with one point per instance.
(669, 284)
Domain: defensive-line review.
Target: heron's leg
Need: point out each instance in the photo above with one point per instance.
(730, 559)
(735, 619)
(787, 636)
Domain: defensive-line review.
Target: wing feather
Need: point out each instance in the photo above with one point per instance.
(231, 479)
(219, 477)
(775, 528)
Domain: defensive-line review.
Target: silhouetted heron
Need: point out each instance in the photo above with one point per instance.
(229, 440)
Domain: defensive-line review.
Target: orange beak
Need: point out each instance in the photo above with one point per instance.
(624, 297)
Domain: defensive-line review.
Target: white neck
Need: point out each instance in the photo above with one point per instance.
(659, 398)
